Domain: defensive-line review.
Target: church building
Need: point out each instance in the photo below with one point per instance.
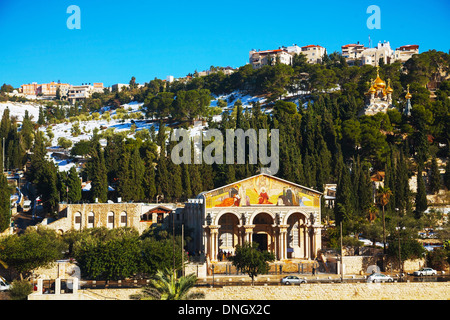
(281, 216)
(378, 97)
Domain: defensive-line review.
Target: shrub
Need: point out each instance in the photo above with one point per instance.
(20, 289)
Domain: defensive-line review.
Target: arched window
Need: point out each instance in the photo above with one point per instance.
(110, 221)
(77, 221)
(123, 219)
(91, 220)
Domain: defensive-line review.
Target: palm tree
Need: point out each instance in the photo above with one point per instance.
(372, 210)
(166, 286)
(383, 196)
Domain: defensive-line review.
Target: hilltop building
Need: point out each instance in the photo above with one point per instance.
(314, 53)
(354, 53)
(285, 55)
(44, 89)
(269, 57)
(84, 91)
(378, 97)
(403, 53)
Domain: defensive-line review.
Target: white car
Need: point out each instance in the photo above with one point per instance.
(4, 285)
(379, 277)
(425, 272)
(292, 280)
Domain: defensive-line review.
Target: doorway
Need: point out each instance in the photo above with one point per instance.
(261, 240)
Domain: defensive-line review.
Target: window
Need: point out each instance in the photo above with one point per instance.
(91, 220)
(110, 220)
(123, 219)
(77, 220)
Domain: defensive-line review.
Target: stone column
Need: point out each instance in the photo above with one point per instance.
(213, 235)
(307, 243)
(58, 286)
(249, 232)
(40, 286)
(75, 285)
(283, 241)
(301, 240)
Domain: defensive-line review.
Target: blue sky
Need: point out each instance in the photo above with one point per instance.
(148, 39)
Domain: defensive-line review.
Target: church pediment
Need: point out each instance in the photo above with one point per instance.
(262, 190)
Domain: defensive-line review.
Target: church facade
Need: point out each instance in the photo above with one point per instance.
(281, 216)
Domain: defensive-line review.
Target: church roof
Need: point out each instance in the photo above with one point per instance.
(266, 175)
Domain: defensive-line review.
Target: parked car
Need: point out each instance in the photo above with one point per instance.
(4, 285)
(379, 277)
(425, 272)
(292, 280)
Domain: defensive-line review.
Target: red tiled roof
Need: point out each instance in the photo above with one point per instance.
(311, 45)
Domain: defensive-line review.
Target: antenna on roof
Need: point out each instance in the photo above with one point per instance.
(369, 42)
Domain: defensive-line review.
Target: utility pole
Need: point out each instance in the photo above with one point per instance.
(182, 248)
(342, 258)
(173, 237)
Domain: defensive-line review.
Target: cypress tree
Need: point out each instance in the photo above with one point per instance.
(187, 191)
(421, 196)
(99, 181)
(5, 211)
(435, 177)
(124, 181)
(26, 131)
(73, 186)
(137, 170)
(344, 208)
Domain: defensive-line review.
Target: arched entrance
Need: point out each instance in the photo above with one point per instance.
(296, 234)
(263, 231)
(228, 232)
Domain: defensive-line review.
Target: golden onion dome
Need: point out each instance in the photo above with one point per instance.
(389, 90)
(371, 90)
(408, 95)
(379, 84)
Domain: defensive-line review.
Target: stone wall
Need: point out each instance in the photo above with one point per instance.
(328, 291)
(313, 291)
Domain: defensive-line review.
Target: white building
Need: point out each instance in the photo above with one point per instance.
(269, 57)
(403, 53)
(119, 86)
(383, 51)
(314, 53)
(78, 93)
(352, 52)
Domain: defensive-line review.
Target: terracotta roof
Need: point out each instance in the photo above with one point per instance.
(311, 45)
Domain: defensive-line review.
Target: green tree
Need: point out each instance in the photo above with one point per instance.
(248, 259)
(73, 186)
(435, 177)
(343, 209)
(26, 132)
(33, 249)
(109, 255)
(166, 286)
(5, 206)
(383, 196)
(97, 170)
(421, 195)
